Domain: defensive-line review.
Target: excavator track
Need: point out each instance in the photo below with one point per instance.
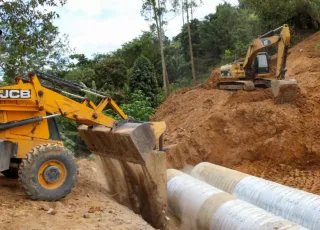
(236, 85)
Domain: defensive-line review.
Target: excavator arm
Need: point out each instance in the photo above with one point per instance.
(264, 41)
(283, 52)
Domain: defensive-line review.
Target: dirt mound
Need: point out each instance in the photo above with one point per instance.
(89, 196)
(247, 131)
(211, 83)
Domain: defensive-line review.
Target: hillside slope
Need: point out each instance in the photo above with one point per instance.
(247, 131)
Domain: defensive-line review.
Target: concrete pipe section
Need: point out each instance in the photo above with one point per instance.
(292, 204)
(201, 206)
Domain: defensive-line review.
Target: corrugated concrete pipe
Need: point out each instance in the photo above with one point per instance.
(292, 204)
(201, 206)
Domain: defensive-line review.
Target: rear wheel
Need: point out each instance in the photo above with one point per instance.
(48, 172)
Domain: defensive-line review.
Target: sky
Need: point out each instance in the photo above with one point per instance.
(101, 26)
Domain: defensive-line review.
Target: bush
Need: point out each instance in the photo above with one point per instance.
(138, 108)
(143, 79)
(110, 74)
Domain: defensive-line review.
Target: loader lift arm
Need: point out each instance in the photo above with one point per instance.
(125, 140)
(42, 98)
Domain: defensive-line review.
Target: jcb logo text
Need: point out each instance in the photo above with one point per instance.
(15, 93)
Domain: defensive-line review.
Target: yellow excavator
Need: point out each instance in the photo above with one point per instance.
(31, 147)
(253, 71)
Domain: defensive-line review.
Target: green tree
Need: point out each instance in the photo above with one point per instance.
(157, 8)
(230, 28)
(110, 74)
(82, 74)
(147, 45)
(30, 40)
(183, 38)
(82, 60)
(177, 65)
(302, 14)
(143, 78)
(227, 57)
(139, 107)
(188, 6)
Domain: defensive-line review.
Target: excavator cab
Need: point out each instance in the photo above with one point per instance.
(261, 64)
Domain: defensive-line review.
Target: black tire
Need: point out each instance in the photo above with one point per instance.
(11, 173)
(32, 164)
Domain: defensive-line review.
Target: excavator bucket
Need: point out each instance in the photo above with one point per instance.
(284, 91)
(130, 142)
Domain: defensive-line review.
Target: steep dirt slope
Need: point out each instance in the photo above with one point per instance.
(247, 131)
(90, 195)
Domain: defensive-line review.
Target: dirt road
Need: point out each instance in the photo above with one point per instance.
(87, 207)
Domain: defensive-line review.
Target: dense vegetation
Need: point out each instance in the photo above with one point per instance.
(133, 74)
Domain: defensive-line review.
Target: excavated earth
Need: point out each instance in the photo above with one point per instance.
(247, 131)
(89, 206)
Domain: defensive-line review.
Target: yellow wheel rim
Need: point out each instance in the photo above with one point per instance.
(52, 174)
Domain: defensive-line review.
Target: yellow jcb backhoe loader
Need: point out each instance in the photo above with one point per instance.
(30, 144)
(255, 69)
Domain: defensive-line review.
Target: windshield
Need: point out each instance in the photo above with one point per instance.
(262, 60)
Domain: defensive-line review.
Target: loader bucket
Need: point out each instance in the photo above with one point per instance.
(284, 91)
(130, 142)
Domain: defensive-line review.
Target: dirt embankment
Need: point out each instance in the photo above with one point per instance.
(247, 131)
(89, 198)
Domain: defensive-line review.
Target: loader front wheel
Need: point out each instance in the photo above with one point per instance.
(48, 172)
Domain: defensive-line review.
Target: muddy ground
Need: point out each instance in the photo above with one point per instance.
(90, 198)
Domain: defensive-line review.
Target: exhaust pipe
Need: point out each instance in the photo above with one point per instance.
(198, 205)
(292, 204)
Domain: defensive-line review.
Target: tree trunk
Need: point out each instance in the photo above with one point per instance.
(191, 9)
(160, 37)
(182, 12)
(190, 47)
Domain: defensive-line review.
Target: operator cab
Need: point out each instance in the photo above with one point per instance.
(261, 63)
